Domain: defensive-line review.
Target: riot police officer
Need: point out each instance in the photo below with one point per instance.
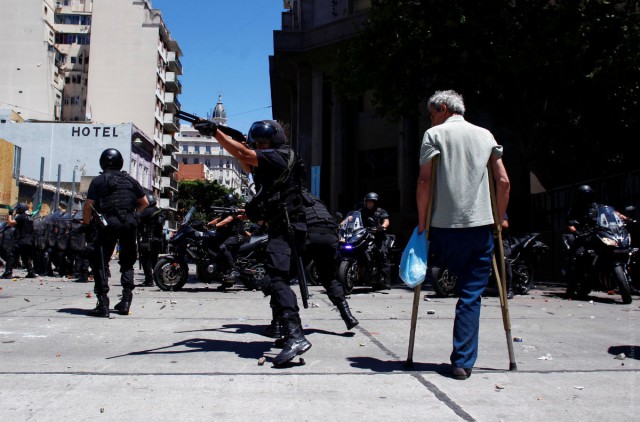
(116, 199)
(230, 234)
(377, 218)
(23, 236)
(150, 236)
(269, 158)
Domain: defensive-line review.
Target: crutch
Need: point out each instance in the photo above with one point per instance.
(416, 292)
(499, 271)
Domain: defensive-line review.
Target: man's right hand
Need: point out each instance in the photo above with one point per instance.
(206, 128)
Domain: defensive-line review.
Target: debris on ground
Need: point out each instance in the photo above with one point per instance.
(89, 295)
(499, 387)
(546, 357)
(578, 387)
(261, 361)
(621, 356)
(431, 312)
(517, 339)
(26, 300)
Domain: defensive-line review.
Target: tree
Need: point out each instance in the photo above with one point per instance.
(202, 194)
(556, 81)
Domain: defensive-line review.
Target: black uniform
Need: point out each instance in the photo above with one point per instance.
(374, 219)
(22, 247)
(115, 194)
(229, 238)
(322, 247)
(150, 238)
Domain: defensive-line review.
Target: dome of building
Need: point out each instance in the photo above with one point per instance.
(219, 114)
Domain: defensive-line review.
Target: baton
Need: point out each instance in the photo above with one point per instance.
(302, 275)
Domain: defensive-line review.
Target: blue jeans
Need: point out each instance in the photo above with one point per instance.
(467, 254)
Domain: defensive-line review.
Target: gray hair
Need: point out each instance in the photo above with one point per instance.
(450, 98)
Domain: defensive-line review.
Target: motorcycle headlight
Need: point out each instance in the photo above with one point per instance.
(348, 246)
(608, 241)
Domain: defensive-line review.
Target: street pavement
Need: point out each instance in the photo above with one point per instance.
(194, 355)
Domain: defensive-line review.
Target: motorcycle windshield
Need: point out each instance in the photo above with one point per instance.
(187, 217)
(609, 219)
(351, 223)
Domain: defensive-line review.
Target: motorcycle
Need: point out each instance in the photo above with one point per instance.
(602, 260)
(525, 251)
(360, 258)
(194, 243)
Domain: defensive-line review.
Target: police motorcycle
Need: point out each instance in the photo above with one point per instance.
(360, 258)
(601, 262)
(194, 243)
(525, 251)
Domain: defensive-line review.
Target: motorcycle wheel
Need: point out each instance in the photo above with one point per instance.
(170, 275)
(623, 284)
(444, 283)
(256, 277)
(522, 279)
(347, 273)
(312, 273)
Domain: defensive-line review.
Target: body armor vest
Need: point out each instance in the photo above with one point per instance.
(24, 232)
(77, 239)
(317, 216)
(120, 197)
(40, 234)
(64, 230)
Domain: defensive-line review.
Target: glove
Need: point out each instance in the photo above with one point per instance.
(206, 128)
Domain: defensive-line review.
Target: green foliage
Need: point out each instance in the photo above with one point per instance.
(558, 81)
(202, 194)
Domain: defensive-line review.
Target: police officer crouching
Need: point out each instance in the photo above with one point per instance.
(115, 198)
(269, 159)
(150, 237)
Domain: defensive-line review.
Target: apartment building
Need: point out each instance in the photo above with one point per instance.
(198, 149)
(103, 62)
(133, 76)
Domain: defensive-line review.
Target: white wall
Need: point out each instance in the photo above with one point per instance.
(67, 144)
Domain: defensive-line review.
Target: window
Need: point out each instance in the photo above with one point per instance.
(73, 60)
(185, 161)
(17, 154)
(207, 163)
(185, 148)
(196, 161)
(197, 149)
(67, 79)
(207, 149)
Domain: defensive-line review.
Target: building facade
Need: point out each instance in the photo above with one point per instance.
(197, 149)
(102, 62)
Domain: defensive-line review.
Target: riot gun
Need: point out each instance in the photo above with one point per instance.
(228, 210)
(235, 134)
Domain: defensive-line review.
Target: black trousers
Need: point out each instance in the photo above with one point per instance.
(323, 249)
(278, 267)
(123, 231)
(149, 258)
(22, 251)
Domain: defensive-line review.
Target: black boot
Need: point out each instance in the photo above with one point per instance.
(273, 329)
(31, 274)
(346, 315)
(125, 303)
(102, 307)
(295, 343)
(7, 274)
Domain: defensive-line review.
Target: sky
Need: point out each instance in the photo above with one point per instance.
(226, 46)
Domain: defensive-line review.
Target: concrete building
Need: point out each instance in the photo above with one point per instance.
(134, 77)
(198, 149)
(349, 150)
(104, 62)
(54, 141)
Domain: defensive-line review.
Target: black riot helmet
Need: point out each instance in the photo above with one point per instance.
(584, 194)
(151, 199)
(111, 159)
(21, 207)
(230, 200)
(371, 196)
(266, 131)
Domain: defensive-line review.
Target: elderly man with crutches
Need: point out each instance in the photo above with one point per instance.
(462, 222)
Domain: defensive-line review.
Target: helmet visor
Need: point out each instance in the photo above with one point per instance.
(261, 133)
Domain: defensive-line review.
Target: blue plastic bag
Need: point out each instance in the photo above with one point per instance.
(413, 264)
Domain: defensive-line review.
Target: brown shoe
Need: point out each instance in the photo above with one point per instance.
(461, 373)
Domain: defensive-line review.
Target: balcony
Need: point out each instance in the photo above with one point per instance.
(172, 83)
(169, 163)
(168, 204)
(171, 123)
(171, 102)
(173, 62)
(169, 143)
(168, 184)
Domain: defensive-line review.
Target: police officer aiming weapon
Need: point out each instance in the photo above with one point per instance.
(278, 203)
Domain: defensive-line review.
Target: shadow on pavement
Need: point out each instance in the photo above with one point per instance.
(377, 365)
(630, 352)
(253, 350)
(74, 311)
